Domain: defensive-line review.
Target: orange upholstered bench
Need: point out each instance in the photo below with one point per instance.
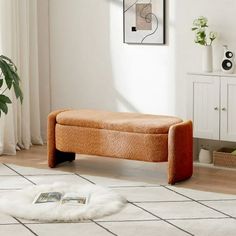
(131, 136)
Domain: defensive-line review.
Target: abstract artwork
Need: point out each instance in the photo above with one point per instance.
(144, 21)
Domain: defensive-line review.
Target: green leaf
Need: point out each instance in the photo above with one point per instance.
(3, 68)
(9, 69)
(16, 77)
(6, 58)
(9, 61)
(18, 91)
(4, 99)
(11, 77)
(3, 107)
(194, 28)
(12, 73)
(7, 73)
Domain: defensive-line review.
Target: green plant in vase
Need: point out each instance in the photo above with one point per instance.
(9, 79)
(205, 38)
(202, 37)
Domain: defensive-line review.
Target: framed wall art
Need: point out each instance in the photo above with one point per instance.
(144, 21)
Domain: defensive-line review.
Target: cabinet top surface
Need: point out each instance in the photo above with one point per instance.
(214, 73)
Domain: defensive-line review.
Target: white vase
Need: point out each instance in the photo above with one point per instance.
(205, 156)
(207, 58)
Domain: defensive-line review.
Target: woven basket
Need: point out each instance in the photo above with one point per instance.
(223, 157)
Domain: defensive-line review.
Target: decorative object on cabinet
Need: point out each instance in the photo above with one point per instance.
(205, 39)
(211, 105)
(207, 64)
(224, 157)
(228, 64)
(144, 21)
(205, 156)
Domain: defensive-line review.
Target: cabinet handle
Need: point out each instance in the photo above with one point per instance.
(216, 108)
(223, 109)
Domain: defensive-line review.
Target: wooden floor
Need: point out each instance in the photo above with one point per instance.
(206, 179)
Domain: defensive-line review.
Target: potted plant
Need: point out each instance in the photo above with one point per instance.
(9, 79)
(205, 39)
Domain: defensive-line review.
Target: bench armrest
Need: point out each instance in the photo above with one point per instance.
(180, 152)
(51, 144)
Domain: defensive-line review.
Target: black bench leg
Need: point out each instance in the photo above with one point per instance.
(61, 157)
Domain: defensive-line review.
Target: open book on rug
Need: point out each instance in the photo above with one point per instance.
(67, 198)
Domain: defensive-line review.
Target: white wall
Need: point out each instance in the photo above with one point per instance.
(91, 67)
(44, 63)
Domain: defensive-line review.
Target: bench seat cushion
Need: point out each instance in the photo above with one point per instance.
(126, 122)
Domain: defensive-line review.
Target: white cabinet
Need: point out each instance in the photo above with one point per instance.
(212, 105)
(228, 109)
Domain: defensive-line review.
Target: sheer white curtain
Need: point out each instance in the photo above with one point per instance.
(20, 128)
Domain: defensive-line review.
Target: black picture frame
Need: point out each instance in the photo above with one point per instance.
(132, 30)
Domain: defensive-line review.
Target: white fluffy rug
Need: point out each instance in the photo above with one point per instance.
(102, 202)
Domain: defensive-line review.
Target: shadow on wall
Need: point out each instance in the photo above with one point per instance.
(125, 103)
(96, 88)
(81, 62)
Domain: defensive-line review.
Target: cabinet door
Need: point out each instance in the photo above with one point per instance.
(204, 101)
(228, 109)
